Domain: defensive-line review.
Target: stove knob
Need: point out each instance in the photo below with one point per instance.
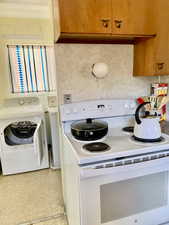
(132, 106)
(68, 111)
(110, 107)
(126, 106)
(75, 110)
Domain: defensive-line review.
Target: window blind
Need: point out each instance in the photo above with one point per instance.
(32, 68)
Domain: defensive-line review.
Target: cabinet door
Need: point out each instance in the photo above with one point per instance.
(132, 17)
(151, 56)
(85, 16)
(161, 64)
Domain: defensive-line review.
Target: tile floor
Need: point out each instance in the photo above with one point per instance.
(60, 221)
(32, 198)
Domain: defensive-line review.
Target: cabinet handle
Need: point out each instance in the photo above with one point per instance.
(118, 23)
(160, 66)
(105, 22)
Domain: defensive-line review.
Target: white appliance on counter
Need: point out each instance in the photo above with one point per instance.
(23, 143)
(50, 108)
(127, 183)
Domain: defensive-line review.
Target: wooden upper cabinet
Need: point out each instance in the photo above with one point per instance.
(85, 16)
(132, 17)
(151, 56)
(161, 45)
(114, 17)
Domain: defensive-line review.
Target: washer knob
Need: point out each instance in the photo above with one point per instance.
(21, 102)
(132, 106)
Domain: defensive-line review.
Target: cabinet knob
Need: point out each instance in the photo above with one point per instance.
(160, 66)
(105, 22)
(118, 23)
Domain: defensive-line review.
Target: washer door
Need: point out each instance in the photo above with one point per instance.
(19, 133)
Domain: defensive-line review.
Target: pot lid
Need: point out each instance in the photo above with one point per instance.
(89, 124)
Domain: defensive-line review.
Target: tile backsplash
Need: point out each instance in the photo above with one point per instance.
(74, 65)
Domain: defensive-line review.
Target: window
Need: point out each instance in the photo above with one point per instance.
(32, 68)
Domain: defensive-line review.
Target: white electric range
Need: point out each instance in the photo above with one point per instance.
(126, 184)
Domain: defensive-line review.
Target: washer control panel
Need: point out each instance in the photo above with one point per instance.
(21, 101)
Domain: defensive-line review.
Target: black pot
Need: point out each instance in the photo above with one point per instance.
(89, 130)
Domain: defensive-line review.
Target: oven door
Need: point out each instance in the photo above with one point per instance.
(126, 195)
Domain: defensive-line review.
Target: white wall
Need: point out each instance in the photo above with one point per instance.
(74, 62)
(4, 73)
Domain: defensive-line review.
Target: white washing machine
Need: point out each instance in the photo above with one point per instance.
(23, 142)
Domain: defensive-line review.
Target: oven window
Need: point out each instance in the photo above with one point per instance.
(132, 196)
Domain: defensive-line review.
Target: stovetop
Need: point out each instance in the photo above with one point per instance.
(118, 114)
(121, 145)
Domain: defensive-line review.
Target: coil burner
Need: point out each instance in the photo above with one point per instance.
(96, 147)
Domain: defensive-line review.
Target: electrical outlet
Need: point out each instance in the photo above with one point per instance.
(67, 98)
(52, 101)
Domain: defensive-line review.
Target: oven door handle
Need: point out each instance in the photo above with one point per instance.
(127, 171)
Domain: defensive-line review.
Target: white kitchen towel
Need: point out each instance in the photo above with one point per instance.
(32, 68)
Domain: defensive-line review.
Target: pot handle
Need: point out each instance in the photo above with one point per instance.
(137, 118)
(89, 120)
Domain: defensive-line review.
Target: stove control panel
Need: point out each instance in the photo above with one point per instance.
(98, 109)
